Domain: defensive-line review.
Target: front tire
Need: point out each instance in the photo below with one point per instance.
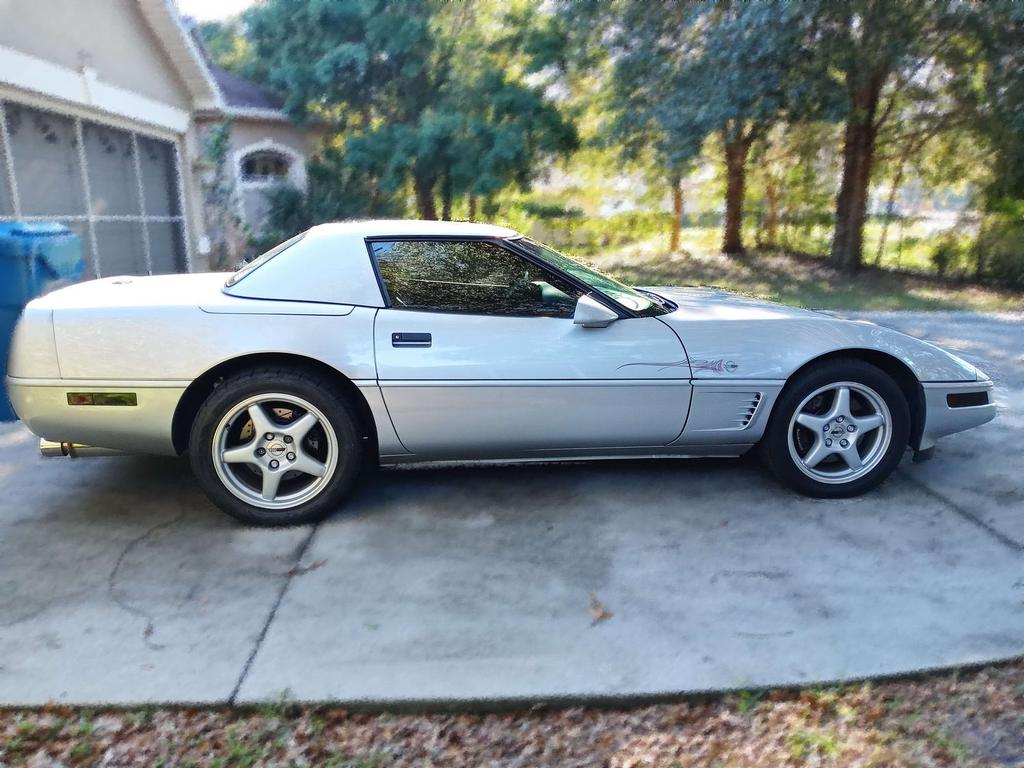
(276, 447)
(838, 429)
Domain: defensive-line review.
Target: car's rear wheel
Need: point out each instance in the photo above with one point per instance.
(838, 429)
(276, 447)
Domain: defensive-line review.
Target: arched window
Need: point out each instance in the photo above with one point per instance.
(265, 165)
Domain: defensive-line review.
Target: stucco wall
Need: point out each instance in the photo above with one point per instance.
(245, 132)
(250, 134)
(110, 36)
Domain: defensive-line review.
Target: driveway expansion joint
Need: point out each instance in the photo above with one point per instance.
(293, 571)
(971, 518)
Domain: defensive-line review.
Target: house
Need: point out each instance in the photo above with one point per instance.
(104, 106)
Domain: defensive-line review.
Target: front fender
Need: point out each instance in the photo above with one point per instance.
(773, 348)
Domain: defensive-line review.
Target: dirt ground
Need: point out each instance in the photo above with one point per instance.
(973, 718)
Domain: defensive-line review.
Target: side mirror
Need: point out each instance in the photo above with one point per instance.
(591, 313)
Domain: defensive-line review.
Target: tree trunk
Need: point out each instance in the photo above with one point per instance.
(677, 214)
(472, 207)
(446, 198)
(852, 200)
(424, 188)
(771, 216)
(736, 171)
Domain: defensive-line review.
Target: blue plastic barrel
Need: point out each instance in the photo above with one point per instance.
(33, 257)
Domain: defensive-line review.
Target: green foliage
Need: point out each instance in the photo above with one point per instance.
(568, 228)
(423, 92)
(987, 84)
(806, 744)
(226, 43)
(694, 69)
(336, 189)
(748, 700)
(219, 202)
(458, 107)
(999, 249)
(949, 257)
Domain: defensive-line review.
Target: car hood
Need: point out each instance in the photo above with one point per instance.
(719, 304)
(732, 336)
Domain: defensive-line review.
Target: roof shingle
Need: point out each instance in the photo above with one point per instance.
(237, 91)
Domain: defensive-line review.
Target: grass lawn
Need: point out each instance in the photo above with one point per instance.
(799, 280)
(970, 719)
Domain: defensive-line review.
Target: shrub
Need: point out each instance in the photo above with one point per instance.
(999, 249)
(949, 258)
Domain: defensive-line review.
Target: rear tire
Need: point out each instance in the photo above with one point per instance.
(838, 429)
(276, 447)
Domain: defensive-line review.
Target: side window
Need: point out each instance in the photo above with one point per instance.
(469, 276)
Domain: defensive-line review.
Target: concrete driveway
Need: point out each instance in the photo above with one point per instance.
(120, 583)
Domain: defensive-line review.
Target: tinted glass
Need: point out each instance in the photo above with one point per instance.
(610, 287)
(468, 276)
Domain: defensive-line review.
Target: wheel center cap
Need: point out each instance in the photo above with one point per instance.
(838, 432)
(276, 449)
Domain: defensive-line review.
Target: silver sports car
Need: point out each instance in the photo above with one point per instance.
(409, 341)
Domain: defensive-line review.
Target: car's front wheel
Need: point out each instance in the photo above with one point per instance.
(276, 447)
(838, 429)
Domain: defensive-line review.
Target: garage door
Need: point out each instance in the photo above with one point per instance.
(118, 190)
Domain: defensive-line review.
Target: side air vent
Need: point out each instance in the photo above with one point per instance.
(750, 408)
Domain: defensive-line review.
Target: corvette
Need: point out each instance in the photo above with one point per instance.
(404, 341)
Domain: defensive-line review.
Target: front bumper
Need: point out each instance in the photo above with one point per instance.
(946, 416)
(42, 404)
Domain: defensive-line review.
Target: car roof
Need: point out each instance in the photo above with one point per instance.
(407, 228)
(330, 264)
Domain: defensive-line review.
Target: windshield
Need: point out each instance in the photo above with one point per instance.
(641, 303)
(259, 261)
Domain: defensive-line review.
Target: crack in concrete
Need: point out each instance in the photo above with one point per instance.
(123, 604)
(970, 517)
(288, 575)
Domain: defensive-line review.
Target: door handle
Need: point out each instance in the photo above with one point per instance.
(410, 340)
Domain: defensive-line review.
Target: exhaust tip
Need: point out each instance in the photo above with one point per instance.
(49, 449)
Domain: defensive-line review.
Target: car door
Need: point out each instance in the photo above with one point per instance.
(478, 356)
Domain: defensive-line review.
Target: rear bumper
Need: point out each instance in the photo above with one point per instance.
(42, 404)
(943, 418)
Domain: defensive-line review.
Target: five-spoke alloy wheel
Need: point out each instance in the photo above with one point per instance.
(838, 429)
(276, 447)
(839, 432)
(273, 451)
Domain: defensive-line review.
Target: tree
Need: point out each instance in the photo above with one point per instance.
(883, 53)
(226, 44)
(994, 87)
(689, 70)
(423, 92)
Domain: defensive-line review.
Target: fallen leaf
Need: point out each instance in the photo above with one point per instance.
(598, 610)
